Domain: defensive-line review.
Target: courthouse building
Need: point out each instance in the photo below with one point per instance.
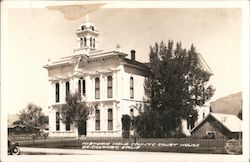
(110, 81)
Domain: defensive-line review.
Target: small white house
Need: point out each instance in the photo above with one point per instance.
(111, 81)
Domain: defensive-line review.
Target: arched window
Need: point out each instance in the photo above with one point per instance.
(97, 119)
(83, 87)
(57, 121)
(97, 88)
(90, 42)
(110, 119)
(81, 42)
(57, 92)
(83, 27)
(131, 113)
(79, 86)
(85, 41)
(110, 95)
(131, 88)
(67, 88)
(67, 125)
(94, 42)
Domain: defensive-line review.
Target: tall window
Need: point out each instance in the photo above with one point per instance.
(83, 87)
(131, 88)
(81, 42)
(67, 125)
(57, 92)
(90, 42)
(131, 113)
(67, 88)
(79, 86)
(85, 42)
(57, 121)
(110, 94)
(97, 88)
(94, 42)
(110, 119)
(83, 27)
(97, 119)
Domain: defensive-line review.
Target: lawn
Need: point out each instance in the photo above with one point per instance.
(184, 145)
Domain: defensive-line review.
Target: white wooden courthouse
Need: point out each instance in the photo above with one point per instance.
(111, 81)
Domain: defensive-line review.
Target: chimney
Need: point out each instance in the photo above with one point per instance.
(132, 55)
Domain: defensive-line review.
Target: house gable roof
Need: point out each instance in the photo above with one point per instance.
(230, 122)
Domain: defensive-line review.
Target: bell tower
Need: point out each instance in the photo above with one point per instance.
(87, 35)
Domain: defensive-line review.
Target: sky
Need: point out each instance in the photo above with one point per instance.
(36, 35)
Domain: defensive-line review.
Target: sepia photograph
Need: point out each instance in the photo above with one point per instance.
(125, 81)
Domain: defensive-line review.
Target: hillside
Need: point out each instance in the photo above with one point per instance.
(230, 104)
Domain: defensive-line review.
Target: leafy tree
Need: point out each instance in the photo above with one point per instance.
(126, 122)
(32, 117)
(177, 85)
(75, 111)
(148, 122)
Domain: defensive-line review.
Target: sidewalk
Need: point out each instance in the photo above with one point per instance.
(104, 155)
(52, 151)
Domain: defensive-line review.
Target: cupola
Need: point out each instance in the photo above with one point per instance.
(87, 35)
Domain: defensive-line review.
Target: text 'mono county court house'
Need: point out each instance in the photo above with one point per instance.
(110, 81)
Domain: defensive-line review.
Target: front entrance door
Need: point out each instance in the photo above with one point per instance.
(82, 128)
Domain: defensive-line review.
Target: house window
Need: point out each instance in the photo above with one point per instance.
(131, 113)
(79, 86)
(94, 42)
(67, 88)
(57, 121)
(57, 92)
(97, 88)
(110, 119)
(211, 134)
(83, 27)
(81, 42)
(97, 119)
(85, 42)
(131, 88)
(203, 115)
(83, 87)
(90, 42)
(110, 95)
(67, 125)
(92, 28)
